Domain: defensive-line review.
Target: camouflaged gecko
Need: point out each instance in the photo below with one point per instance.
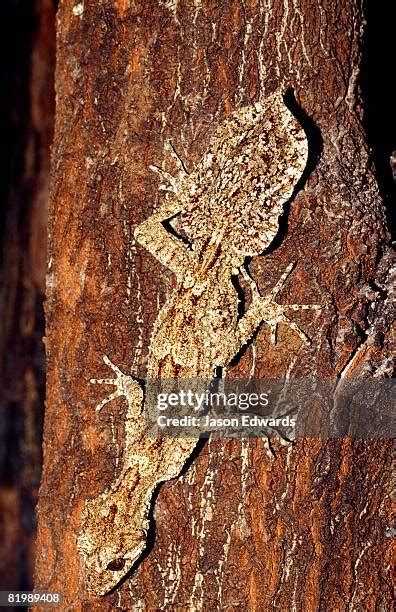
(228, 208)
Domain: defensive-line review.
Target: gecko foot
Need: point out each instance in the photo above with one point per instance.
(171, 183)
(179, 162)
(125, 385)
(274, 313)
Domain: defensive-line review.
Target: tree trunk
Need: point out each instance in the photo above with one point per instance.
(27, 115)
(238, 530)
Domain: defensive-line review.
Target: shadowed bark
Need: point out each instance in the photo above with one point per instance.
(238, 530)
(27, 114)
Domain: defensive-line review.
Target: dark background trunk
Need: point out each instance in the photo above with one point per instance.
(27, 114)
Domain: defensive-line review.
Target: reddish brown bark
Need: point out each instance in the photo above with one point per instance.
(237, 530)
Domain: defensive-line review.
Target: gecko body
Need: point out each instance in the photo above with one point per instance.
(228, 208)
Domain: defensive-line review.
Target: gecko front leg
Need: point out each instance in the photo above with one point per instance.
(108, 541)
(125, 385)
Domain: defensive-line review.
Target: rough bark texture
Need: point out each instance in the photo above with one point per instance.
(306, 530)
(27, 114)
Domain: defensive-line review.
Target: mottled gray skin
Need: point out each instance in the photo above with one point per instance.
(229, 208)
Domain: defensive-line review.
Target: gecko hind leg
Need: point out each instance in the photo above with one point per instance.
(274, 313)
(179, 162)
(171, 183)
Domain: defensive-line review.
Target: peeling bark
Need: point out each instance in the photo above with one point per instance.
(306, 530)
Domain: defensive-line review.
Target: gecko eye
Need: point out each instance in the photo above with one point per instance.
(116, 565)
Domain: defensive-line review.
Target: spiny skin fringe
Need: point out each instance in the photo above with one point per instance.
(229, 209)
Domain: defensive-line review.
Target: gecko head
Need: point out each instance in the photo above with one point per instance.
(110, 541)
(101, 578)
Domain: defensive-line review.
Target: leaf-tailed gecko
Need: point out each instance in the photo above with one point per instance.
(229, 209)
